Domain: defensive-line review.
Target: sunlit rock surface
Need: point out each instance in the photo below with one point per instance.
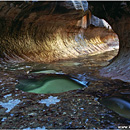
(24, 30)
(47, 31)
(51, 31)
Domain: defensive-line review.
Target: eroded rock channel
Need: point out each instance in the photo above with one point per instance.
(45, 45)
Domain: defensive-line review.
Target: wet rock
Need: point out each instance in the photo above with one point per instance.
(2, 111)
(73, 109)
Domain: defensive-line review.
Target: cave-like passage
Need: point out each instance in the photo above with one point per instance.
(40, 39)
(52, 31)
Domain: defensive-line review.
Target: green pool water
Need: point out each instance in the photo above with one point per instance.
(51, 83)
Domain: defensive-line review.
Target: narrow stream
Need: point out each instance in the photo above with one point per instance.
(78, 108)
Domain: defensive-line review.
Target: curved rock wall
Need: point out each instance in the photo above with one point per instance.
(35, 32)
(117, 14)
(45, 31)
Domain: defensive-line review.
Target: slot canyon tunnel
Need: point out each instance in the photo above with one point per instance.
(46, 32)
(50, 32)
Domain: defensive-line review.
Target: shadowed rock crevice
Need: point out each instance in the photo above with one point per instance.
(117, 14)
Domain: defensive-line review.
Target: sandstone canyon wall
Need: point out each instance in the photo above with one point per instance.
(117, 14)
(46, 31)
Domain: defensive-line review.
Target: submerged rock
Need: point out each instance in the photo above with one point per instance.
(120, 106)
(50, 83)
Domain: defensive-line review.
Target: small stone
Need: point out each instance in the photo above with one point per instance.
(32, 114)
(64, 113)
(82, 108)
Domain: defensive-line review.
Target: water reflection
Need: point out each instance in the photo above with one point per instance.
(76, 109)
(10, 104)
(47, 72)
(50, 83)
(38, 128)
(50, 100)
(118, 105)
